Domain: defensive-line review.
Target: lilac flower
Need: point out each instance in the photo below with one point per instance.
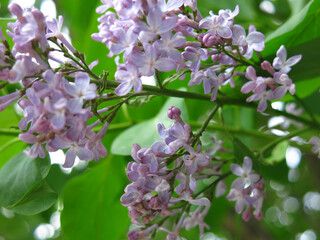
(132, 195)
(95, 144)
(129, 78)
(139, 233)
(254, 40)
(179, 135)
(316, 145)
(250, 85)
(169, 5)
(57, 109)
(52, 84)
(125, 41)
(33, 108)
(80, 92)
(262, 97)
(247, 190)
(281, 62)
(246, 176)
(156, 25)
(197, 219)
(201, 76)
(195, 161)
(237, 195)
(74, 149)
(216, 25)
(287, 85)
(262, 83)
(29, 26)
(197, 55)
(149, 62)
(228, 14)
(6, 100)
(169, 43)
(23, 67)
(187, 185)
(37, 148)
(54, 30)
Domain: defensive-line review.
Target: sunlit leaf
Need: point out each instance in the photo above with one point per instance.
(145, 133)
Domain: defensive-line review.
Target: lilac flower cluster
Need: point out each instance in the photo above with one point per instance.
(274, 87)
(54, 112)
(247, 190)
(164, 180)
(152, 35)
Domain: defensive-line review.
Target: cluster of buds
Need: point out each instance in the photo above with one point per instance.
(164, 180)
(55, 111)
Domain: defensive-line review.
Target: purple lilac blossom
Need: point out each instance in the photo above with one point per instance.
(315, 141)
(247, 190)
(282, 63)
(153, 183)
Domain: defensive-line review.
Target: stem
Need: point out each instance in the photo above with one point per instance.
(239, 131)
(305, 108)
(152, 90)
(157, 75)
(205, 124)
(11, 132)
(223, 176)
(278, 140)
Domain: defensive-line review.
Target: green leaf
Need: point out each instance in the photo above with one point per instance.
(3, 8)
(39, 200)
(294, 31)
(278, 153)
(3, 25)
(145, 133)
(92, 208)
(19, 176)
(241, 150)
(300, 35)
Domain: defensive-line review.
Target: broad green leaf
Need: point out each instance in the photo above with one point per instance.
(300, 35)
(19, 176)
(145, 133)
(92, 208)
(39, 200)
(278, 153)
(299, 29)
(296, 6)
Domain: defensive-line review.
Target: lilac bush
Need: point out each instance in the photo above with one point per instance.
(174, 181)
